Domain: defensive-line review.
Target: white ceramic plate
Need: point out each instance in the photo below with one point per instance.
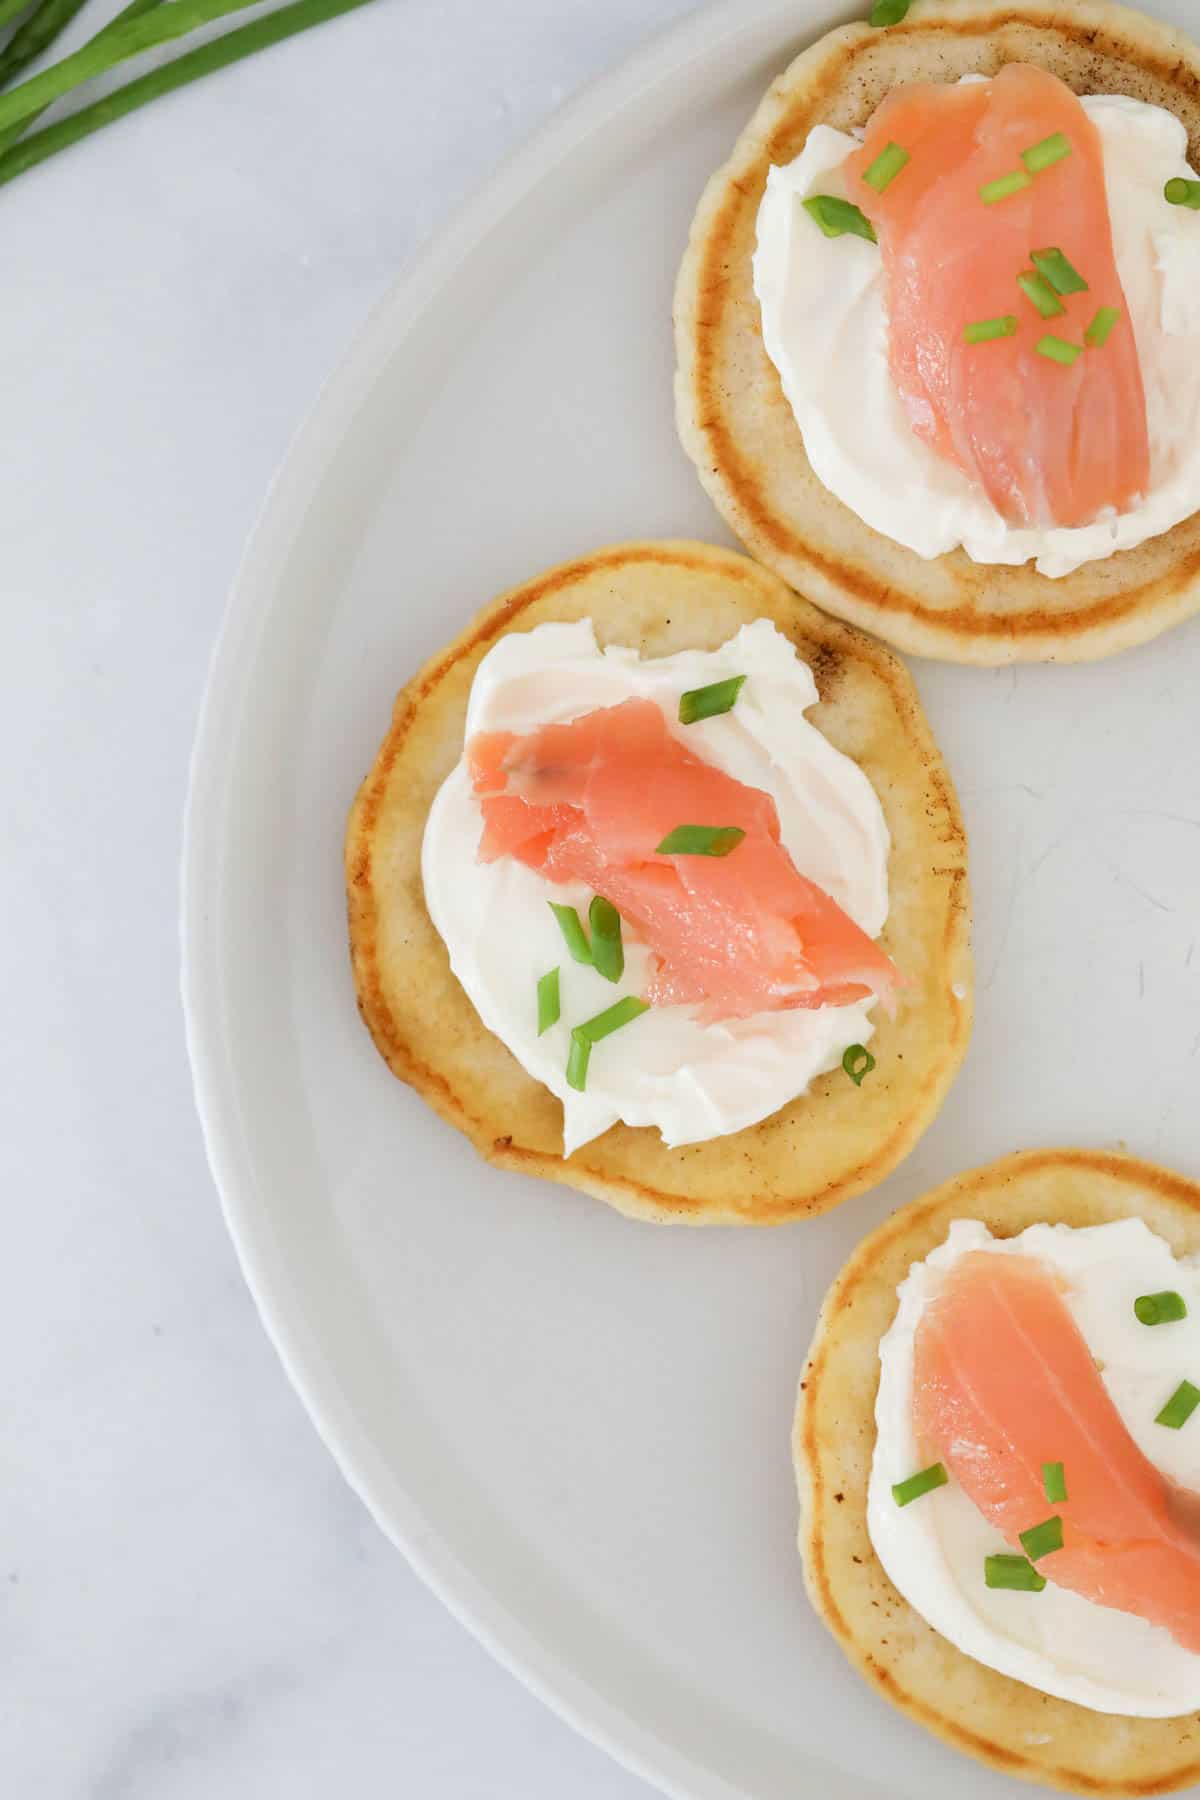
(575, 1426)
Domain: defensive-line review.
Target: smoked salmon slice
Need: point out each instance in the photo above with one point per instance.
(1051, 444)
(1003, 1382)
(746, 932)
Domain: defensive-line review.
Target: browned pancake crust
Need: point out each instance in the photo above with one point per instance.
(988, 1715)
(835, 1141)
(735, 421)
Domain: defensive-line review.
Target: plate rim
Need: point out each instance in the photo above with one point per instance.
(296, 481)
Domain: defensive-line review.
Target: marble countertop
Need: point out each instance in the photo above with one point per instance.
(193, 1602)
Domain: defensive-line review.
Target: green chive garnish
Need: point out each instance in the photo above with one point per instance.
(549, 1006)
(887, 165)
(1004, 185)
(708, 702)
(1183, 193)
(1036, 288)
(888, 12)
(1055, 1483)
(1062, 275)
(1180, 1406)
(701, 840)
(622, 1012)
(608, 954)
(984, 330)
(1097, 333)
(1058, 350)
(916, 1485)
(837, 217)
(858, 1062)
(577, 1061)
(592, 1030)
(1159, 1309)
(1041, 1539)
(1012, 1572)
(1047, 153)
(574, 936)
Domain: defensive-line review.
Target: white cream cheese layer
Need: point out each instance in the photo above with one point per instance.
(824, 322)
(934, 1548)
(693, 1081)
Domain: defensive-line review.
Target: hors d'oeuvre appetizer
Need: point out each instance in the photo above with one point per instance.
(938, 329)
(999, 1468)
(658, 888)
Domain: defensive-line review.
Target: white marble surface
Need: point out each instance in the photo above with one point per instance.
(192, 1602)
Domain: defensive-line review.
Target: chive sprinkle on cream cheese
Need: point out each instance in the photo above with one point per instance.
(574, 936)
(924, 1482)
(595, 1030)
(837, 217)
(549, 1006)
(709, 702)
(1159, 1309)
(1180, 1407)
(608, 953)
(1015, 1572)
(1041, 1540)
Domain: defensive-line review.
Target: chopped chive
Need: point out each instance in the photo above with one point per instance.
(1098, 332)
(1041, 1539)
(701, 840)
(858, 1063)
(1012, 1572)
(1179, 1407)
(984, 330)
(1058, 350)
(708, 702)
(1047, 153)
(574, 936)
(1055, 1483)
(1159, 1309)
(549, 1005)
(887, 165)
(1062, 275)
(923, 1483)
(1183, 193)
(592, 1030)
(577, 1061)
(888, 12)
(1035, 287)
(837, 217)
(608, 953)
(622, 1012)
(1004, 185)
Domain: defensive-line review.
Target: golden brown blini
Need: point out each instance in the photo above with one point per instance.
(988, 1715)
(833, 1142)
(737, 426)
